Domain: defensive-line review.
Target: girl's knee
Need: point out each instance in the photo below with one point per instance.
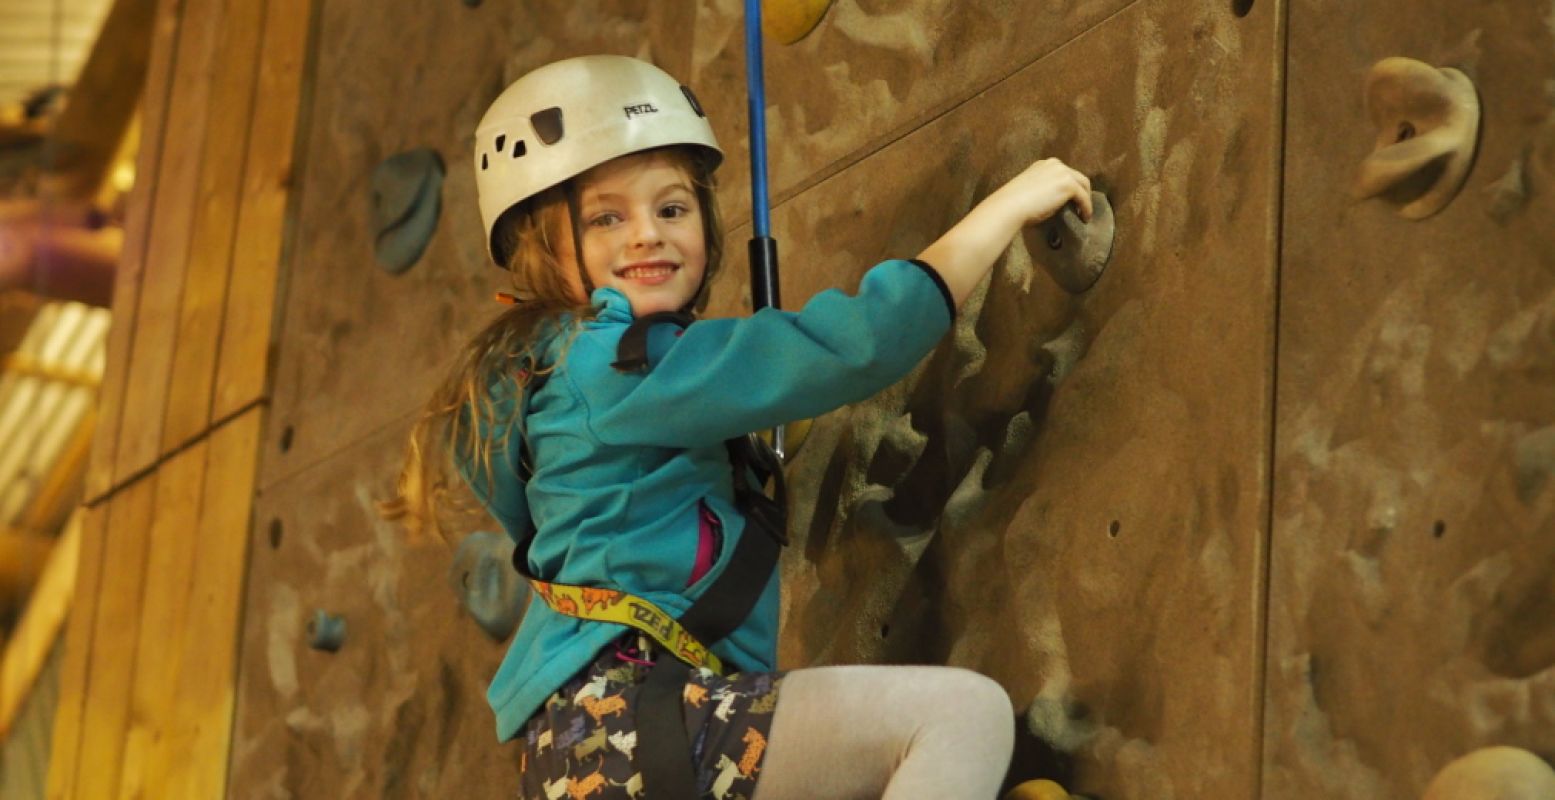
(987, 705)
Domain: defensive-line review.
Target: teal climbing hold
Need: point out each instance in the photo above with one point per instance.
(407, 197)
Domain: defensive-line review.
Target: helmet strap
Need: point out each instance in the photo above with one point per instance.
(575, 215)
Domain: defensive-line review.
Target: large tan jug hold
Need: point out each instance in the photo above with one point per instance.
(1494, 773)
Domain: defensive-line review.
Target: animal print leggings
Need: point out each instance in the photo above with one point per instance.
(893, 732)
(581, 742)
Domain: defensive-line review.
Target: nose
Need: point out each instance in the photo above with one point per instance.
(646, 231)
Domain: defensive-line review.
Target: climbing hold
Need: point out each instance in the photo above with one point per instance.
(407, 196)
(487, 586)
(326, 631)
(1494, 773)
(1508, 194)
(486, 583)
(1427, 122)
(1073, 251)
(1060, 724)
(788, 21)
(794, 435)
(1037, 790)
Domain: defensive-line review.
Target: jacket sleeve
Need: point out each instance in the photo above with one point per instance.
(723, 378)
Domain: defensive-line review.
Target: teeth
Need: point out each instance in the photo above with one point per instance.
(646, 272)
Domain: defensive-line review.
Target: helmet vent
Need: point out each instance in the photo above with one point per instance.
(548, 124)
(501, 140)
(519, 149)
(483, 161)
(692, 98)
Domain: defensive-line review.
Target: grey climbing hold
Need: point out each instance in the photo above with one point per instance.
(488, 587)
(407, 198)
(1061, 725)
(326, 631)
(1073, 251)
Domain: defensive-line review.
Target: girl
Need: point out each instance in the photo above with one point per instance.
(599, 428)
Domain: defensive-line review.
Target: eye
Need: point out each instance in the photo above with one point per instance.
(604, 220)
(674, 211)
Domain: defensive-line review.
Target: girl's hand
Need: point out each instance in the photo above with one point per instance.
(963, 255)
(1042, 190)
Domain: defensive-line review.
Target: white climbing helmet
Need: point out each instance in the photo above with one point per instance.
(569, 116)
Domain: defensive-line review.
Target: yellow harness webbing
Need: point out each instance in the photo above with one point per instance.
(612, 605)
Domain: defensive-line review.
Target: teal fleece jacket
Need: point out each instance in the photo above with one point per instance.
(622, 460)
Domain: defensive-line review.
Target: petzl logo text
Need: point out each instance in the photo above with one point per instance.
(639, 110)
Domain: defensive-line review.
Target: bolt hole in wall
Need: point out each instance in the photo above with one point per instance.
(286, 439)
(275, 534)
(1241, 7)
(1406, 131)
(1114, 529)
(1439, 529)
(885, 630)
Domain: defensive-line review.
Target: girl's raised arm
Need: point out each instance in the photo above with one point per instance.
(966, 252)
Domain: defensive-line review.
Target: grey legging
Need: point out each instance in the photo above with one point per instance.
(887, 732)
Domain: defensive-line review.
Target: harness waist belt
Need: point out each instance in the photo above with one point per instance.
(621, 608)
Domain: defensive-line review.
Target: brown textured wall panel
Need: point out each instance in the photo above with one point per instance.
(1411, 614)
(359, 348)
(399, 710)
(1071, 494)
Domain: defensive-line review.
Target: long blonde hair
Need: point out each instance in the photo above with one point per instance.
(502, 358)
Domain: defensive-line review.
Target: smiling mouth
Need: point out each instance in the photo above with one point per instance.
(655, 269)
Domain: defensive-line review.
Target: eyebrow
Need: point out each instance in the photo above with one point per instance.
(608, 196)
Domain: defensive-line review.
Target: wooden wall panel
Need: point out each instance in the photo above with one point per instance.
(233, 75)
(164, 618)
(132, 262)
(248, 324)
(167, 249)
(1071, 494)
(115, 636)
(75, 668)
(199, 748)
(151, 664)
(1410, 610)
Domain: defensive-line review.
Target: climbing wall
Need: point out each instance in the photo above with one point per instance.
(1073, 493)
(1412, 603)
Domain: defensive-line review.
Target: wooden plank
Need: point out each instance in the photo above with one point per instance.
(71, 711)
(243, 371)
(23, 554)
(115, 635)
(137, 231)
(188, 411)
(167, 252)
(27, 649)
(164, 615)
(201, 710)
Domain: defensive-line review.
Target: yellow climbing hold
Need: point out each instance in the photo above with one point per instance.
(788, 21)
(1037, 790)
(794, 435)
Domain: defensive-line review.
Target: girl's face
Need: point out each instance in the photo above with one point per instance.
(642, 232)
